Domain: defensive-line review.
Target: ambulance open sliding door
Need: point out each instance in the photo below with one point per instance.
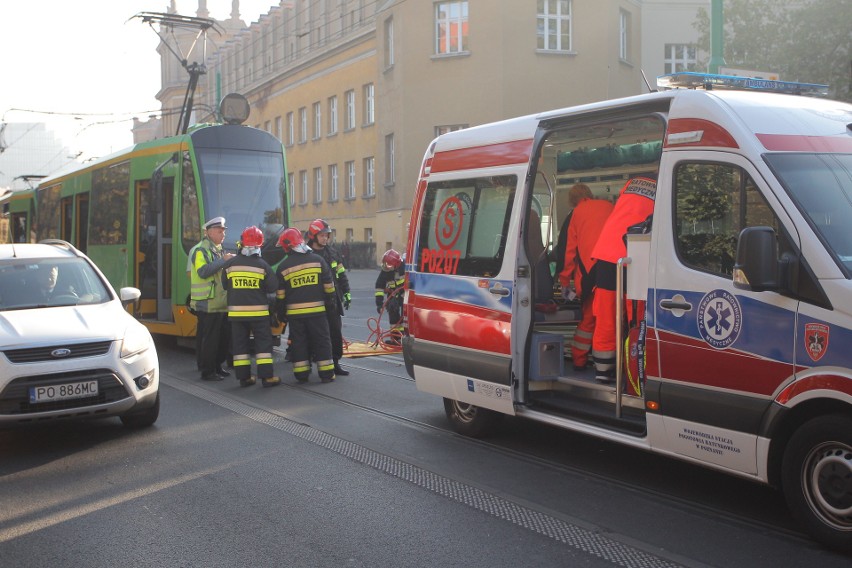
(461, 309)
(723, 352)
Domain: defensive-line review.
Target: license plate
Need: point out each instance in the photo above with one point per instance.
(63, 392)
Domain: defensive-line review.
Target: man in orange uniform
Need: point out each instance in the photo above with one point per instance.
(587, 222)
(635, 203)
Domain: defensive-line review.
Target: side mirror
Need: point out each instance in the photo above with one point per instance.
(129, 295)
(757, 267)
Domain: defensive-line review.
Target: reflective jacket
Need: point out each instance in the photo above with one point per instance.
(587, 222)
(249, 281)
(305, 286)
(206, 291)
(635, 203)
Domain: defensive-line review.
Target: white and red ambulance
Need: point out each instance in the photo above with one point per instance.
(746, 275)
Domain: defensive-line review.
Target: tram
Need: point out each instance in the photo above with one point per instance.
(137, 213)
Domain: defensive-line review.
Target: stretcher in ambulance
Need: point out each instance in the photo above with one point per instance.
(743, 363)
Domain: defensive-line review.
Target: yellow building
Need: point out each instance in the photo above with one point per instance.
(357, 89)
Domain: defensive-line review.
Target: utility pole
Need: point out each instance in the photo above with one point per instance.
(717, 29)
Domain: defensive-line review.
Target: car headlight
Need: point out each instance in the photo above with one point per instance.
(136, 339)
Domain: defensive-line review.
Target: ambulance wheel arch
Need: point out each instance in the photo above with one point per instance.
(470, 420)
(816, 478)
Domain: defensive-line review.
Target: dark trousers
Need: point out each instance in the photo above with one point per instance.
(310, 337)
(213, 341)
(335, 330)
(242, 328)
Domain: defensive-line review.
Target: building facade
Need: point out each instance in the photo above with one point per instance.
(357, 89)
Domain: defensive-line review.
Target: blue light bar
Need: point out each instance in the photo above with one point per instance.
(708, 81)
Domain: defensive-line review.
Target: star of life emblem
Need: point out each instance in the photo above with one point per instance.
(720, 319)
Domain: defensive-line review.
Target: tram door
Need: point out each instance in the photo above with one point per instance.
(154, 250)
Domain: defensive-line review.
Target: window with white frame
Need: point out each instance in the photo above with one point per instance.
(368, 235)
(332, 115)
(450, 27)
(624, 35)
(350, 235)
(679, 57)
(291, 129)
(554, 25)
(390, 171)
(303, 125)
(317, 185)
(444, 128)
(267, 126)
(317, 120)
(333, 191)
(369, 176)
(278, 128)
(350, 180)
(369, 104)
(303, 182)
(291, 187)
(389, 54)
(350, 110)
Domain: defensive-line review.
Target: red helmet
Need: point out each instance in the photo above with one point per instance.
(316, 227)
(252, 237)
(391, 259)
(291, 239)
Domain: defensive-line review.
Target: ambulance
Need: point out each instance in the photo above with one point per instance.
(744, 360)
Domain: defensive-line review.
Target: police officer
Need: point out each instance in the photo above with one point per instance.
(635, 203)
(318, 236)
(250, 281)
(208, 299)
(305, 293)
(389, 292)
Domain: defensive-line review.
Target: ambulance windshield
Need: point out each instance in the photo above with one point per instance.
(821, 186)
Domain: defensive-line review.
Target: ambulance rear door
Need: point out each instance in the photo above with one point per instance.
(462, 286)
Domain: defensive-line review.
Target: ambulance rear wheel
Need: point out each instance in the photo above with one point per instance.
(817, 479)
(470, 420)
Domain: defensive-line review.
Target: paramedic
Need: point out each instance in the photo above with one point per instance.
(208, 299)
(249, 282)
(635, 203)
(587, 221)
(318, 236)
(389, 286)
(305, 293)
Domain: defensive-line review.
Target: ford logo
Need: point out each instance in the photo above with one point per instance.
(61, 352)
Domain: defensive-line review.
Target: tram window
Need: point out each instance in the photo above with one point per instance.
(48, 213)
(110, 194)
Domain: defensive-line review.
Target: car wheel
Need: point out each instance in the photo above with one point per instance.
(471, 420)
(144, 418)
(817, 479)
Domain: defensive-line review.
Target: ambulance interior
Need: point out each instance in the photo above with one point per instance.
(604, 155)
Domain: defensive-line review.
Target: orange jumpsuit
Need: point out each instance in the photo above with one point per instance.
(587, 221)
(635, 203)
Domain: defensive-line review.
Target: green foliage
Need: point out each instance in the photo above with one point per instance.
(808, 41)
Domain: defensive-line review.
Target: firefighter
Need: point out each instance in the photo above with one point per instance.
(389, 292)
(305, 293)
(318, 236)
(250, 281)
(635, 204)
(587, 221)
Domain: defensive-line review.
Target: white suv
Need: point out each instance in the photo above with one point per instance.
(69, 348)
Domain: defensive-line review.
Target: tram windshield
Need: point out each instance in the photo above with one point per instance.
(245, 187)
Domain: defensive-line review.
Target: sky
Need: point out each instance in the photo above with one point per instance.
(88, 66)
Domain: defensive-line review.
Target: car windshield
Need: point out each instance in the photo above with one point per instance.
(36, 283)
(821, 186)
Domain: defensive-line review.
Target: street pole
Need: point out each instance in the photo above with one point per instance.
(717, 35)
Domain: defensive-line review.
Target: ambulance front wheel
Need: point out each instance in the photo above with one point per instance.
(471, 420)
(817, 479)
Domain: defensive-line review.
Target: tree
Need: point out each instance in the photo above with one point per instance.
(807, 41)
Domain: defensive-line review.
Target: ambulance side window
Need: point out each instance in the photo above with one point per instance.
(464, 226)
(713, 203)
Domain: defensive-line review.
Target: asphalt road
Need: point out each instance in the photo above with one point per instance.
(364, 472)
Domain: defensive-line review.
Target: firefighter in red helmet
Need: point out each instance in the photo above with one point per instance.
(305, 293)
(318, 238)
(250, 283)
(389, 286)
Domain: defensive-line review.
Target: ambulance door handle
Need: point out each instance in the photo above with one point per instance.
(675, 304)
(498, 290)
